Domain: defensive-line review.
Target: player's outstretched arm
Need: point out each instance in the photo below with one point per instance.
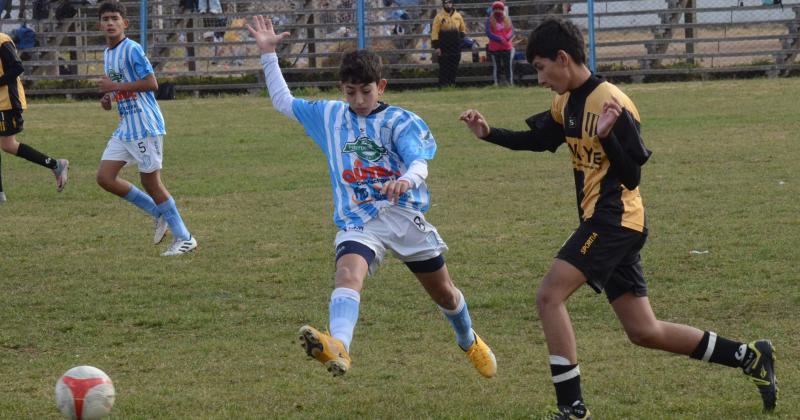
(266, 39)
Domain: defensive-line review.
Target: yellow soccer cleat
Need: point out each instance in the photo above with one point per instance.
(327, 350)
(481, 356)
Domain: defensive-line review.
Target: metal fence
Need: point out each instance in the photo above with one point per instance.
(638, 39)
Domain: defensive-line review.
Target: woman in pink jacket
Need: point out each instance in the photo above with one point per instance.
(499, 30)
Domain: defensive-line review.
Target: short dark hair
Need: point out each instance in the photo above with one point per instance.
(111, 6)
(553, 35)
(360, 67)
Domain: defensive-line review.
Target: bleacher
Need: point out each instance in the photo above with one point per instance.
(661, 38)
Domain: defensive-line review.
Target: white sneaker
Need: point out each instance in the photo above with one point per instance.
(178, 247)
(2, 197)
(61, 171)
(160, 230)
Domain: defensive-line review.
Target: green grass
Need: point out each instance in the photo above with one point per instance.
(212, 334)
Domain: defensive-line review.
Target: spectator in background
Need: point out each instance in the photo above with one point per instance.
(500, 31)
(209, 6)
(447, 33)
(235, 34)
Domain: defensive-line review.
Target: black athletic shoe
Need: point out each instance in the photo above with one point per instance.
(760, 370)
(577, 411)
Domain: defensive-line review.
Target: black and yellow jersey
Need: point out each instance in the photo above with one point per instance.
(12, 95)
(448, 30)
(606, 171)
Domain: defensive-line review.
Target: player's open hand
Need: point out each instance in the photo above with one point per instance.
(105, 101)
(611, 111)
(264, 34)
(475, 122)
(394, 189)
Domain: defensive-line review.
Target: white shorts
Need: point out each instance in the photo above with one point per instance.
(403, 231)
(148, 152)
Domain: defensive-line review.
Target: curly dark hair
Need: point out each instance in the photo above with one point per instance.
(360, 67)
(553, 35)
(111, 6)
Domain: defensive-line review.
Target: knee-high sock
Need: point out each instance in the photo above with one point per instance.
(461, 322)
(139, 199)
(343, 312)
(566, 379)
(174, 220)
(29, 153)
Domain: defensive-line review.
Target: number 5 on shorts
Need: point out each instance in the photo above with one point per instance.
(142, 149)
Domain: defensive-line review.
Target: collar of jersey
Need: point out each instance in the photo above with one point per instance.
(118, 43)
(380, 108)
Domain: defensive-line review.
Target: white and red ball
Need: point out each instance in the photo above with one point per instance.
(84, 393)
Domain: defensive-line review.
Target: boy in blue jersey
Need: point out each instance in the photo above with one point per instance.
(377, 159)
(601, 126)
(129, 79)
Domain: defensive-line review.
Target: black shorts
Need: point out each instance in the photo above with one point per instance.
(609, 258)
(10, 122)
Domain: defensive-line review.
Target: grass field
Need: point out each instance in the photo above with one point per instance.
(212, 334)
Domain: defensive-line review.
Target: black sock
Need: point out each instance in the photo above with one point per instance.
(29, 153)
(567, 380)
(715, 349)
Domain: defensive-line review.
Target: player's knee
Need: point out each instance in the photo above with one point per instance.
(643, 337)
(546, 298)
(104, 180)
(347, 278)
(8, 146)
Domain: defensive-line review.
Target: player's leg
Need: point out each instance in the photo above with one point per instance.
(108, 179)
(10, 145)
(353, 259)
(148, 153)
(644, 329)
(435, 279)
(183, 241)
(561, 280)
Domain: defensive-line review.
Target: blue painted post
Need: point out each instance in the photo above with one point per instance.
(360, 24)
(143, 25)
(592, 58)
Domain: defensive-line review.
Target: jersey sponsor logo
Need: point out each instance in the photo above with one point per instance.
(365, 148)
(118, 77)
(368, 174)
(585, 157)
(588, 243)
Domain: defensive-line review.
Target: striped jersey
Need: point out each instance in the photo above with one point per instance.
(363, 153)
(139, 114)
(601, 196)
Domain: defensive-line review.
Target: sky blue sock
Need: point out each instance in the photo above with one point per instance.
(143, 201)
(344, 314)
(174, 220)
(461, 322)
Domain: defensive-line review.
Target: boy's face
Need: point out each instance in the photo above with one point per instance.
(363, 98)
(113, 24)
(553, 74)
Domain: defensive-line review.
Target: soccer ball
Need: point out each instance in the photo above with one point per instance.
(84, 393)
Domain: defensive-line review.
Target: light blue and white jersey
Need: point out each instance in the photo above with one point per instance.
(139, 114)
(363, 153)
